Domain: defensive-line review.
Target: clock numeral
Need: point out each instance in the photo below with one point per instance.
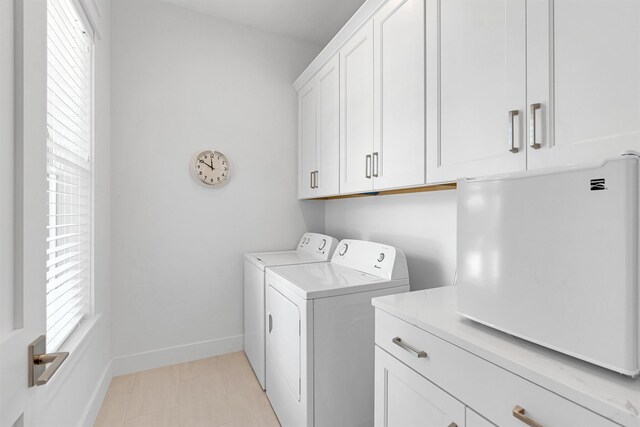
(200, 172)
(218, 179)
(205, 177)
(212, 179)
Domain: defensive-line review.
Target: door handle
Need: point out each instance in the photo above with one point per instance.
(311, 179)
(315, 180)
(375, 164)
(512, 137)
(418, 353)
(367, 166)
(38, 358)
(518, 412)
(533, 140)
(270, 323)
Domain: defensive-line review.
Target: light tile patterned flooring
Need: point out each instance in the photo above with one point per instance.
(218, 391)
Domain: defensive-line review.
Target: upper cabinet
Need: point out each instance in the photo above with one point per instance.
(356, 112)
(414, 92)
(476, 83)
(583, 88)
(398, 158)
(319, 133)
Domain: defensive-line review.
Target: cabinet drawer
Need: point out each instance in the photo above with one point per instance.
(490, 390)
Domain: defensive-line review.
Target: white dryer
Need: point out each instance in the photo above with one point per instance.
(320, 334)
(312, 248)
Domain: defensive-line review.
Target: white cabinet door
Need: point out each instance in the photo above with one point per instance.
(403, 398)
(476, 420)
(476, 84)
(399, 143)
(307, 140)
(356, 111)
(583, 68)
(328, 127)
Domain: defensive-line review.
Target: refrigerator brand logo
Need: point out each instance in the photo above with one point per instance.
(598, 184)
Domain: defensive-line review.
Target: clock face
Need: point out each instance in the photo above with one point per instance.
(211, 168)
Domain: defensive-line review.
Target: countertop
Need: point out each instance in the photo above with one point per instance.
(607, 393)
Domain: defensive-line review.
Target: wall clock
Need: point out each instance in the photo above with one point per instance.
(211, 168)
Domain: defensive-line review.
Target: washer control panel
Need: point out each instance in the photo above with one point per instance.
(373, 258)
(319, 245)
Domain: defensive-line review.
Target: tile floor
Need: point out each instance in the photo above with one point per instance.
(218, 391)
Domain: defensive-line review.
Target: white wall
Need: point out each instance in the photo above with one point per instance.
(182, 82)
(423, 225)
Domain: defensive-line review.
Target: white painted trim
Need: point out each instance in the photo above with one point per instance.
(359, 18)
(173, 355)
(93, 407)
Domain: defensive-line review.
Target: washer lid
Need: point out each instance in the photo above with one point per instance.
(263, 260)
(327, 279)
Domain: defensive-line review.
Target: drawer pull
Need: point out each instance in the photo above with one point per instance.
(453, 425)
(398, 341)
(518, 412)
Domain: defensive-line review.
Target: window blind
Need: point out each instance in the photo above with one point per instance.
(69, 175)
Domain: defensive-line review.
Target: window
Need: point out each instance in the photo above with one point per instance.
(69, 174)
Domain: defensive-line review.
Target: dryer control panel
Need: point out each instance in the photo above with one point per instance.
(319, 245)
(373, 258)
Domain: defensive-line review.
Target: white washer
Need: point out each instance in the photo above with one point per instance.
(320, 334)
(312, 248)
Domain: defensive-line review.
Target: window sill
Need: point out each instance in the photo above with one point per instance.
(77, 344)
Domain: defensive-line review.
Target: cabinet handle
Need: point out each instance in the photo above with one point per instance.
(270, 323)
(310, 179)
(518, 412)
(375, 164)
(453, 425)
(367, 166)
(316, 179)
(533, 141)
(512, 137)
(418, 353)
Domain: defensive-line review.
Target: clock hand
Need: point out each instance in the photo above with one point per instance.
(212, 168)
(202, 161)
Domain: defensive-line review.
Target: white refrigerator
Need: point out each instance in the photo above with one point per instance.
(552, 257)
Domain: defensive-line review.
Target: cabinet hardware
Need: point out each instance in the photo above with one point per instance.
(518, 412)
(367, 166)
(38, 357)
(453, 425)
(512, 138)
(310, 179)
(315, 179)
(418, 353)
(375, 164)
(533, 140)
(270, 323)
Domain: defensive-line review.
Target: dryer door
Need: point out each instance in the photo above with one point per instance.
(283, 336)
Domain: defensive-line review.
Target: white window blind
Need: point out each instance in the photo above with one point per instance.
(69, 175)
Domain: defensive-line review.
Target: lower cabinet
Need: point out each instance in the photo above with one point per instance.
(423, 380)
(403, 398)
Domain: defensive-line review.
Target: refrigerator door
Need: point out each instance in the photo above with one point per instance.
(553, 258)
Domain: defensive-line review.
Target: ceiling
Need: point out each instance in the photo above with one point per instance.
(316, 21)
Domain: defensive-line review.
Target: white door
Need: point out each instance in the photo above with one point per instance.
(399, 144)
(283, 336)
(476, 85)
(356, 111)
(22, 290)
(328, 126)
(254, 330)
(583, 63)
(403, 398)
(307, 142)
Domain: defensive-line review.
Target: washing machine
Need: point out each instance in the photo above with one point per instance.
(320, 334)
(312, 248)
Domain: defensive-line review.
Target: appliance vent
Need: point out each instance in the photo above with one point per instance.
(598, 184)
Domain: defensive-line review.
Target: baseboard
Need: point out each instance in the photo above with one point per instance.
(179, 354)
(91, 412)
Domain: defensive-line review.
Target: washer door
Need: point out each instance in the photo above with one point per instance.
(283, 336)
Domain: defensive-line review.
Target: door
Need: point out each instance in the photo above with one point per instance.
(476, 420)
(23, 215)
(356, 111)
(399, 145)
(476, 85)
(254, 330)
(283, 336)
(328, 126)
(404, 398)
(583, 90)
(307, 137)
